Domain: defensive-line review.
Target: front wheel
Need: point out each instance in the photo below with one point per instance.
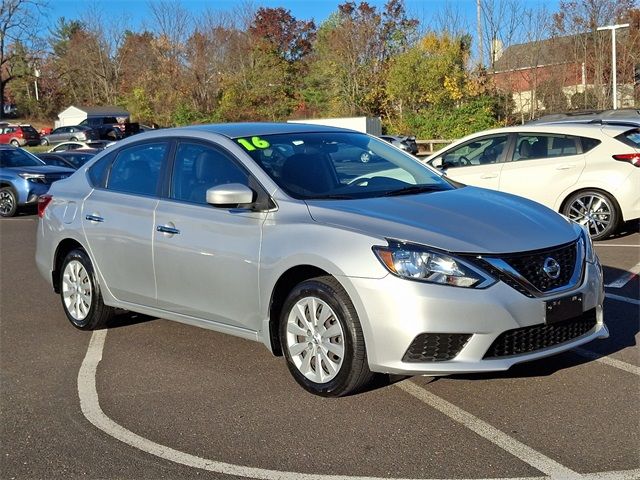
(595, 210)
(322, 339)
(44, 142)
(8, 202)
(80, 293)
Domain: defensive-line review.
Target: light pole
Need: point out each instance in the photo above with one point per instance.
(614, 66)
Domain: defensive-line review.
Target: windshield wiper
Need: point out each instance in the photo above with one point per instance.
(413, 189)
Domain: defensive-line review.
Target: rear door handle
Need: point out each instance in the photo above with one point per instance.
(167, 229)
(94, 218)
(487, 176)
(564, 167)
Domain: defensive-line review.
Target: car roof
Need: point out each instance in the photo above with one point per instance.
(561, 128)
(237, 130)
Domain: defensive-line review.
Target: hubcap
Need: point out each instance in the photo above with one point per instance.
(76, 290)
(592, 211)
(6, 202)
(315, 339)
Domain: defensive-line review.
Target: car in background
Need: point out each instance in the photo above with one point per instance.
(19, 135)
(408, 144)
(69, 158)
(589, 173)
(71, 133)
(23, 178)
(400, 271)
(93, 144)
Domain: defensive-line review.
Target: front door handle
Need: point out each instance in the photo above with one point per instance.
(487, 176)
(167, 229)
(94, 218)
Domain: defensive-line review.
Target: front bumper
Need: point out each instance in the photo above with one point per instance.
(394, 311)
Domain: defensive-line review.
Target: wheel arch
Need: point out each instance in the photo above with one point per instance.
(287, 281)
(63, 249)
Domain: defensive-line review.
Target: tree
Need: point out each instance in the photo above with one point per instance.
(18, 38)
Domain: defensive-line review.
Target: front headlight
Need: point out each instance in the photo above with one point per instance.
(33, 177)
(414, 262)
(589, 253)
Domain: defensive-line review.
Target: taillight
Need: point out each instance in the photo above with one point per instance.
(632, 158)
(43, 202)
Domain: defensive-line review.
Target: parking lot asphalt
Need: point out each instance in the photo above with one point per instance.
(149, 398)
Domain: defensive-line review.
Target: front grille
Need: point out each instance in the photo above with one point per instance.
(537, 337)
(435, 347)
(530, 266)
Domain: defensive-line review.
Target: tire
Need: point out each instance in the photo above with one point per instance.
(343, 369)
(595, 209)
(80, 293)
(15, 143)
(73, 139)
(8, 202)
(44, 142)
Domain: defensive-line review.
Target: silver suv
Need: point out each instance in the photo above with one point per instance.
(271, 232)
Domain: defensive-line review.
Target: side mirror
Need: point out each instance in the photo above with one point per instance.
(230, 194)
(437, 163)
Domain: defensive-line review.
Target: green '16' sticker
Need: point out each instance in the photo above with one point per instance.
(256, 142)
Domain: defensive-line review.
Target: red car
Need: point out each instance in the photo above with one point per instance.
(19, 135)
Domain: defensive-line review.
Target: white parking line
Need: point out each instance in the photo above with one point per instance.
(627, 367)
(514, 447)
(620, 298)
(625, 278)
(90, 406)
(615, 245)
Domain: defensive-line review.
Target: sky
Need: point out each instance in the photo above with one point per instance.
(318, 10)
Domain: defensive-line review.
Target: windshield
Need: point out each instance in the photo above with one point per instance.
(18, 158)
(339, 165)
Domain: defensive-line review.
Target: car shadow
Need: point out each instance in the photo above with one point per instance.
(124, 318)
(626, 229)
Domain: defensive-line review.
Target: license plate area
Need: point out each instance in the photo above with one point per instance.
(560, 309)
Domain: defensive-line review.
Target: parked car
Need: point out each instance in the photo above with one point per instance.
(78, 145)
(587, 172)
(72, 133)
(69, 158)
(19, 135)
(23, 178)
(408, 144)
(623, 116)
(420, 276)
(110, 129)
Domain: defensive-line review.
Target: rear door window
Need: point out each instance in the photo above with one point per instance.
(534, 146)
(137, 169)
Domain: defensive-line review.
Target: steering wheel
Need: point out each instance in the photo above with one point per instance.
(464, 161)
(360, 182)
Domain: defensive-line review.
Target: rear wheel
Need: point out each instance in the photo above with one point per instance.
(8, 202)
(595, 210)
(73, 139)
(80, 293)
(322, 339)
(44, 141)
(15, 143)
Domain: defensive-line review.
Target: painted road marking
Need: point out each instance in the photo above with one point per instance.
(615, 245)
(620, 298)
(625, 278)
(516, 448)
(627, 367)
(90, 406)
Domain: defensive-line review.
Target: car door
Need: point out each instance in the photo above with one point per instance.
(59, 135)
(118, 221)
(542, 166)
(477, 162)
(207, 258)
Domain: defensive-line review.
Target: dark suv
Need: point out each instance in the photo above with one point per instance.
(109, 127)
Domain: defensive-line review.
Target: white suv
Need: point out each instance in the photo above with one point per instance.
(587, 172)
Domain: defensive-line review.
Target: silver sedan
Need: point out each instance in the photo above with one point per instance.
(347, 268)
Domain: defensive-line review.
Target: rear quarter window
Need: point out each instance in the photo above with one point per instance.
(588, 144)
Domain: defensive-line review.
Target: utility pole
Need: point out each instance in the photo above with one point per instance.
(614, 66)
(479, 24)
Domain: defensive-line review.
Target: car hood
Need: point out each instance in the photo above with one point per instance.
(464, 220)
(42, 169)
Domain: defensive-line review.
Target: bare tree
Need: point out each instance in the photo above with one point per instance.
(18, 26)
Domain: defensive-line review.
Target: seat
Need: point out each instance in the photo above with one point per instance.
(205, 169)
(308, 174)
(524, 150)
(539, 148)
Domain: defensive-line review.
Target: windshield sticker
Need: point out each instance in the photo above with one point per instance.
(256, 142)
